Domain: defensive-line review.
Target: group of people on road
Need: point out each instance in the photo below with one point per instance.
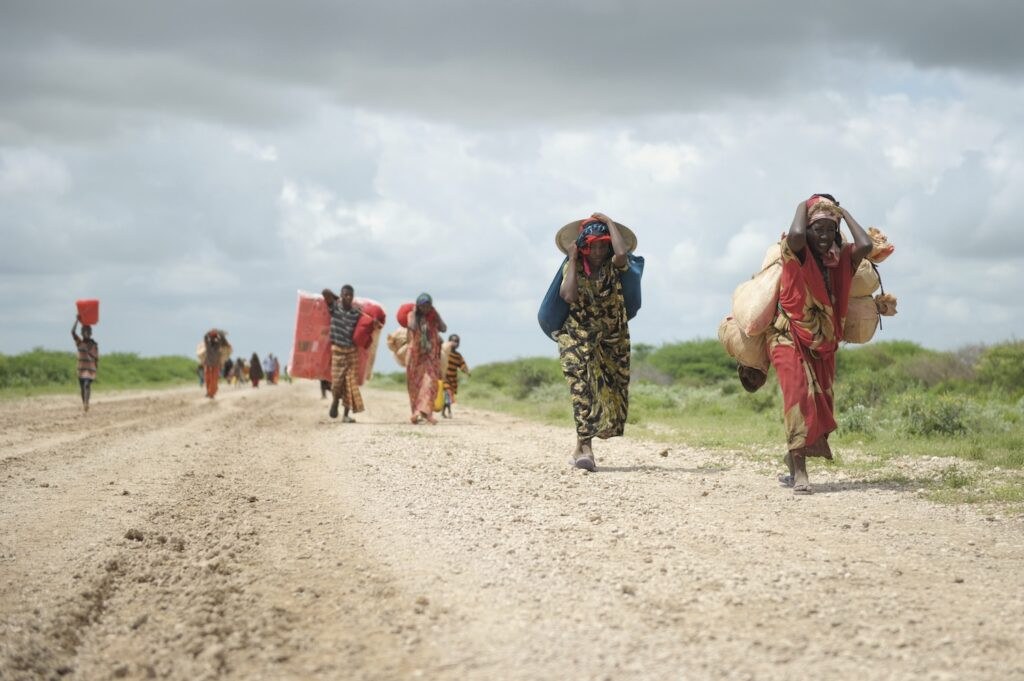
(238, 371)
(818, 266)
(423, 360)
(215, 363)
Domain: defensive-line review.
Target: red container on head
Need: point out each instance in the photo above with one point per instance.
(88, 311)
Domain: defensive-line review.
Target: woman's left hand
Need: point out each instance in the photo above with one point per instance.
(603, 218)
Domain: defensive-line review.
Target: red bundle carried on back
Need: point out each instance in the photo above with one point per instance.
(88, 311)
(372, 312)
(403, 313)
(367, 335)
(311, 351)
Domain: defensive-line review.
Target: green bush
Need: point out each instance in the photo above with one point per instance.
(695, 362)
(48, 369)
(653, 397)
(934, 414)
(768, 398)
(876, 356)
(856, 419)
(519, 377)
(1002, 366)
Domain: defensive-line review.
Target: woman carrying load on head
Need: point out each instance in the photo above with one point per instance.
(423, 362)
(88, 360)
(593, 343)
(814, 292)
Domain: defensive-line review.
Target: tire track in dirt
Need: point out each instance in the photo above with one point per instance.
(223, 574)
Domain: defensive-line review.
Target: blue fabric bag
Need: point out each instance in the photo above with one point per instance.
(554, 310)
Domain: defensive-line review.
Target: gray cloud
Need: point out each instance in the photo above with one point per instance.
(68, 68)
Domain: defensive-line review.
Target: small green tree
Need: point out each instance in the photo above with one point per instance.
(1002, 366)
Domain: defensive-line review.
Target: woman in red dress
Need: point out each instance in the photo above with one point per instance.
(817, 269)
(423, 365)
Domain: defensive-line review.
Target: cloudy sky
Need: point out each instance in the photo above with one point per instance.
(194, 164)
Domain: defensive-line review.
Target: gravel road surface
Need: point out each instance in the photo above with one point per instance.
(164, 535)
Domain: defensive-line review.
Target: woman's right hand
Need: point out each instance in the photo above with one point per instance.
(573, 252)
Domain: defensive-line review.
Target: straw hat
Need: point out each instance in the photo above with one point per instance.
(566, 236)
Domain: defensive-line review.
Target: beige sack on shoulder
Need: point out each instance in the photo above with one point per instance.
(865, 280)
(750, 351)
(754, 302)
(398, 344)
(861, 320)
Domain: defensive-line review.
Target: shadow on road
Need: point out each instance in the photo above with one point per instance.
(648, 468)
(903, 485)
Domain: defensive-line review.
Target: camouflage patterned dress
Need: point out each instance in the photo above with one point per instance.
(594, 349)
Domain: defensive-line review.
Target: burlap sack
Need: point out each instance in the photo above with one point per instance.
(225, 352)
(754, 301)
(398, 344)
(750, 351)
(861, 320)
(865, 281)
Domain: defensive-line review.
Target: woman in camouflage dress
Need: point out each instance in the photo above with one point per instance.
(594, 340)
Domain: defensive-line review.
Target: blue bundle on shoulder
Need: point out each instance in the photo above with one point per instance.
(554, 310)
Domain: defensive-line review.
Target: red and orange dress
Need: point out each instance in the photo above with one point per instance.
(423, 363)
(813, 301)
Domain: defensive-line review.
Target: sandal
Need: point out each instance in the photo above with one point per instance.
(802, 489)
(785, 479)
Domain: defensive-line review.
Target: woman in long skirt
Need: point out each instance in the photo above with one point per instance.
(593, 344)
(423, 363)
(814, 293)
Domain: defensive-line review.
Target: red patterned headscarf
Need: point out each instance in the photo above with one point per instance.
(591, 231)
(819, 207)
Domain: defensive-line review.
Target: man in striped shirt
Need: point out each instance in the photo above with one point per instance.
(88, 359)
(344, 353)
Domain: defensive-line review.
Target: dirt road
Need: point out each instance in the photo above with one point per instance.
(165, 536)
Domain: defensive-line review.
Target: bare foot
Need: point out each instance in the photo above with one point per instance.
(786, 479)
(583, 457)
(801, 483)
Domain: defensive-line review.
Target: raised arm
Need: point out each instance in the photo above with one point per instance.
(797, 237)
(74, 330)
(441, 326)
(618, 243)
(569, 290)
(862, 243)
(330, 296)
